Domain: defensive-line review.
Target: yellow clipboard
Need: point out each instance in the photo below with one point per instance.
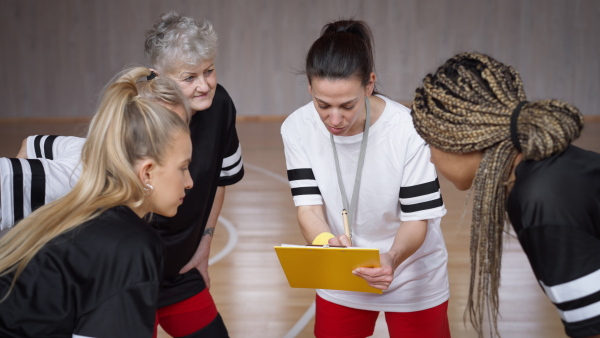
(319, 267)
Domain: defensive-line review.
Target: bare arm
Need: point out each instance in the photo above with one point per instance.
(200, 258)
(312, 221)
(23, 151)
(409, 238)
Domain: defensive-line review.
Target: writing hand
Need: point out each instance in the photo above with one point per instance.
(341, 240)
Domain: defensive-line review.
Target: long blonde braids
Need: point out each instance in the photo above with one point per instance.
(467, 106)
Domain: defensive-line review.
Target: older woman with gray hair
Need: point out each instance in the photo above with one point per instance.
(184, 49)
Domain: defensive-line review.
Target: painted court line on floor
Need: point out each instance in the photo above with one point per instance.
(310, 312)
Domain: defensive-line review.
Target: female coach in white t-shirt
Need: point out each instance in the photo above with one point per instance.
(351, 141)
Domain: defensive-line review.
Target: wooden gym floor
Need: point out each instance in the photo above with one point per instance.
(248, 285)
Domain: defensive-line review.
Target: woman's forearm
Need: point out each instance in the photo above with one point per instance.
(409, 238)
(312, 221)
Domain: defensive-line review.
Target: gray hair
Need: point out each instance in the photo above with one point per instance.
(175, 41)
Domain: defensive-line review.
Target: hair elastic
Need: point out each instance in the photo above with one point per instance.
(341, 29)
(513, 125)
(151, 76)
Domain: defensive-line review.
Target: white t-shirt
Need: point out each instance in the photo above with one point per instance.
(50, 171)
(399, 183)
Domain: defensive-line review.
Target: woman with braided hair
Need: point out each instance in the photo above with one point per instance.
(518, 157)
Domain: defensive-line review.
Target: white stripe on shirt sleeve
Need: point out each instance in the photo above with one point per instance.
(231, 160)
(8, 193)
(226, 169)
(420, 199)
(303, 183)
(232, 171)
(582, 313)
(575, 289)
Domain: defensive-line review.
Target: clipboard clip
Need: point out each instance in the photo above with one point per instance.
(327, 246)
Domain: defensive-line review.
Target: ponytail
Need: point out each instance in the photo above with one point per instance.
(125, 128)
(468, 105)
(547, 127)
(344, 50)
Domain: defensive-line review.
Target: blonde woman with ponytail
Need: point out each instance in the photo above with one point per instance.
(88, 264)
(517, 156)
(48, 166)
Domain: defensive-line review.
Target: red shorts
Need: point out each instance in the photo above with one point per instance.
(187, 316)
(333, 320)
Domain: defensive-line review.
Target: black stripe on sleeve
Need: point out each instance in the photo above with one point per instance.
(580, 302)
(233, 179)
(17, 189)
(420, 189)
(36, 146)
(306, 191)
(48, 146)
(300, 174)
(38, 184)
(582, 328)
(232, 166)
(422, 206)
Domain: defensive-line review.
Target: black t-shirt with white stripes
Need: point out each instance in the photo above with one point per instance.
(216, 161)
(554, 207)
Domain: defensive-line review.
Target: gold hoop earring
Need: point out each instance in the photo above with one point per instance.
(148, 189)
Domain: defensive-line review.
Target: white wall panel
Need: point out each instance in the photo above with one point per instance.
(56, 55)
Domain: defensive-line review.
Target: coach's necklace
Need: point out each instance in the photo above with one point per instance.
(361, 161)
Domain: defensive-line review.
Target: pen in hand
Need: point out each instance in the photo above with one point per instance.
(346, 225)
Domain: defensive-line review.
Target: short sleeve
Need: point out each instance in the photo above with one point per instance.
(23, 188)
(420, 195)
(232, 168)
(566, 262)
(51, 171)
(52, 146)
(305, 190)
